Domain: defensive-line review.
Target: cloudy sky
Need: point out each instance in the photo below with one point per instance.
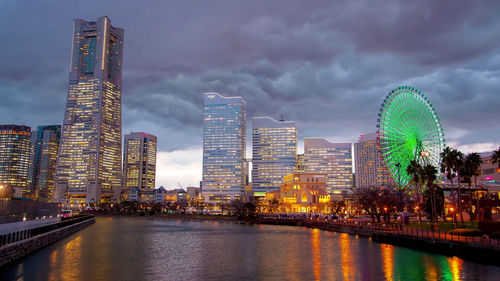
(325, 64)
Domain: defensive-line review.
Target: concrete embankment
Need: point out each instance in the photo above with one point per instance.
(19, 249)
(476, 252)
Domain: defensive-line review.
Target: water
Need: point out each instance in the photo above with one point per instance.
(156, 249)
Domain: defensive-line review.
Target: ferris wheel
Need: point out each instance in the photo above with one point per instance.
(409, 129)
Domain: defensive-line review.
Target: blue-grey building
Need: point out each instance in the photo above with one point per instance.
(45, 146)
(274, 150)
(224, 148)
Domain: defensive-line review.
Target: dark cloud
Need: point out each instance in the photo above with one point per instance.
(325, 64)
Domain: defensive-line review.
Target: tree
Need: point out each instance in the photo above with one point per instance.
(472, 163)
(415, 171)
(377, 201)
(451, 161)
(434, 202)
(495, 158)
(429, 177)
(336, 206)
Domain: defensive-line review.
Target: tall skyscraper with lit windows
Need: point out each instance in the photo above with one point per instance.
(45, 146)
(332, 159)
(370, 170)
(89, 161)
(224, 148)
(139, 161)
(15, 148)
(274, 152)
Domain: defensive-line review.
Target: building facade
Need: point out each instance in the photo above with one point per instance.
(89, 162)
(224, 148)
(274, 150)
(15, 148)
(489, 171)
(139, 161)
(332, 159)
(45, 146)
(301, 192)
(370, 170)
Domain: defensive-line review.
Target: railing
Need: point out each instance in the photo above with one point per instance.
(16, 236)
(392, 229)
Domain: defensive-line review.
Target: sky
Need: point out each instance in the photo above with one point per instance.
(325, 64)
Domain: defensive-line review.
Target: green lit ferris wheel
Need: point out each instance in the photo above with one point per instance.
(409, 129)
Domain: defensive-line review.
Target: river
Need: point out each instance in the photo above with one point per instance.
(161, 249)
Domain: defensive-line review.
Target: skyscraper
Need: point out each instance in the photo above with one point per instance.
(332, 159)
(274, 150)
(224, 142)
(15, 147)
(139, 161)
(43, 159)
(89, 161)
(370, 170)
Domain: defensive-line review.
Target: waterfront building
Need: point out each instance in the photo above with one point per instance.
(15, 148)
(43, 159)
(139, 161)
(301, 192)
(89, 162)
(145, 195)
(489, 172)
(193, 192)
(224, 148)
(370, 170)
(274, 150)
(332, 159)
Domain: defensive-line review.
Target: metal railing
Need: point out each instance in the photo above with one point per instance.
(16, 236)
(390, 229)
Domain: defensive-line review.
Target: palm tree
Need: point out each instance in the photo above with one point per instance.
(495, 158)
(473, 162)
(458, 163)
(429, 177)
(448, 168)
(414, 169)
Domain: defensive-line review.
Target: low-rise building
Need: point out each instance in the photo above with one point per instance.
(301, 192)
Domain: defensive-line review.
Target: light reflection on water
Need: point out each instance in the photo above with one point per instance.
(156, 249)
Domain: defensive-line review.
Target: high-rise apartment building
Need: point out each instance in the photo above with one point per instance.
(139, 161)
(332, 159)
(89, 161)
(274, 150)
(15, 148)
(44, 149)
(370, 170)
(224, 148)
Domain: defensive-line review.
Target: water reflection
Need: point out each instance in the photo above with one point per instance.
(346, 256)
(388, 260)
(154, 249)
(455, 267)
(316, 255)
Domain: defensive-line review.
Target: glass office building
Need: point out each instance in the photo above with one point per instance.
(224, 142)
(45, 146)
(332, 159)
(139, 161)
(90, 152)
(274, 151)
(15, 148)
(370, 170)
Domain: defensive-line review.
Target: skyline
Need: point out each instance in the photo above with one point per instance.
(273, 67)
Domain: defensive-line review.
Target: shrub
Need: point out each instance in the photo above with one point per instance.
(489, 226)
(495, 235)
(467, 232)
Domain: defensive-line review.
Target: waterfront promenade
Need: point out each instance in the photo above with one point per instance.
(6, 228)
(479, 249)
